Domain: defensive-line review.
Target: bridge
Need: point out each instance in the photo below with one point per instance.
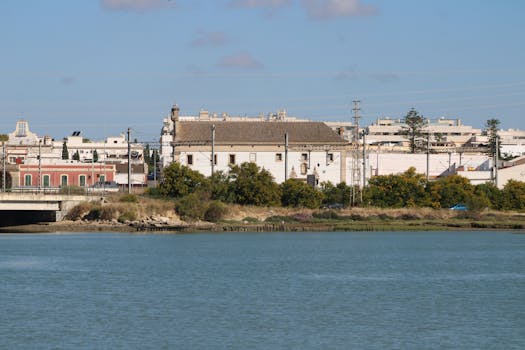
(20, 208)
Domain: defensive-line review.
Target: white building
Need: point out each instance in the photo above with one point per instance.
(512, 142)
(166, 135)
(445, 134)
(112, 149)
(313, 148)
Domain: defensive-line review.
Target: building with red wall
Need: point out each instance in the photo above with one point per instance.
(63, 174)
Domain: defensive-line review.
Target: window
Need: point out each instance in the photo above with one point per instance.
(46, 180)
(214, 159)
(27, 180)
(82, 180)
(63, 180)
(189, 159)
(231, 159)
(304, 168)
(329, 157)
(278, 157)
(102, 178)
(253, 157)
(21, 129)
(304, 156)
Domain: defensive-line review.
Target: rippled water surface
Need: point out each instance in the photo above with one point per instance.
(461, 290)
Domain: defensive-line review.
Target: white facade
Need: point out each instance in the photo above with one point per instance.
(512, 142)
(325, 164)
(444, 133)
(396, 163)
(113, 148)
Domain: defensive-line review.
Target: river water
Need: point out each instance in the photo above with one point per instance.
(431, 290)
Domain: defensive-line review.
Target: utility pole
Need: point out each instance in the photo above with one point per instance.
(3, 166)
(39, 163)
(129, 160)
(496, 160)
(285, 156)
(364, 162)
(356, 166)
(155, 167)
(428, 155)
(212, 149)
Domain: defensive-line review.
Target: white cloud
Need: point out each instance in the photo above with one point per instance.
(260, 3)
(242, 60)
(327, 9)
(137, 5)
(209, 39)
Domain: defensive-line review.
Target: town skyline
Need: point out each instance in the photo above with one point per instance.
(102, 66)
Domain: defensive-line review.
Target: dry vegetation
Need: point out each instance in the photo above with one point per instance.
(125, 209)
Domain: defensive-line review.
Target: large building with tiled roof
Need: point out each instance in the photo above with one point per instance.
(312, 151)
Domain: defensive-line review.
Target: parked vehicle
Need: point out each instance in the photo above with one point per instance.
(460, 207)
(105, 186)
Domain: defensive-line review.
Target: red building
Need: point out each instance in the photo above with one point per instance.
(64, 174)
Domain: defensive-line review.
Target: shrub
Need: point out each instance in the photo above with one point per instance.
(108, 213)
(77, 211)
(296, 193)
(128, 198)
(279, 218)
(94, 213)
(192, 206)
(327, 214)
(127, 216)
(215, 212)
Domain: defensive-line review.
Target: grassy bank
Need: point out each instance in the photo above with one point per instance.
(125, 213)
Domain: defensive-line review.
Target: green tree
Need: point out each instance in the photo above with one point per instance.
(76, 156)
(341, 193)
(513, 195)
(254, 186)
(452, 190)
(65, 152)
(491, 130)
(179, 181)
(221, 187)
(95, 156)
(413, 129)
(296, 193)
(397, 191)
(493, 194)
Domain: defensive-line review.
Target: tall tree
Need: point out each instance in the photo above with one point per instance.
(65, 152)
(179, 181)
(76, 156)
(491, 130)
(413, 129)
(254, 186)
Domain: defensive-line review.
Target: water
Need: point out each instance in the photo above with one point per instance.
(460, 290)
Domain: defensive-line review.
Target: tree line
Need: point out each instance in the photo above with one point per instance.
(248, 184)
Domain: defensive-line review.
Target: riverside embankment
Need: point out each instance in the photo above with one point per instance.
(153, 216)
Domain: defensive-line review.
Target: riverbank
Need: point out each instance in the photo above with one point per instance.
(123, 213)
(289, 220)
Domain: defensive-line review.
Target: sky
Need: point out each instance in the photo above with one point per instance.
(101, 66)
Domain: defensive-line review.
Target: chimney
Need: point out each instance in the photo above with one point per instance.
(175, 113)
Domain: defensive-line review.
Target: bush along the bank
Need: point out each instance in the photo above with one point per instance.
(247, 184)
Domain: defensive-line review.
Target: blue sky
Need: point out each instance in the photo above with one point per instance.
(101, 66)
